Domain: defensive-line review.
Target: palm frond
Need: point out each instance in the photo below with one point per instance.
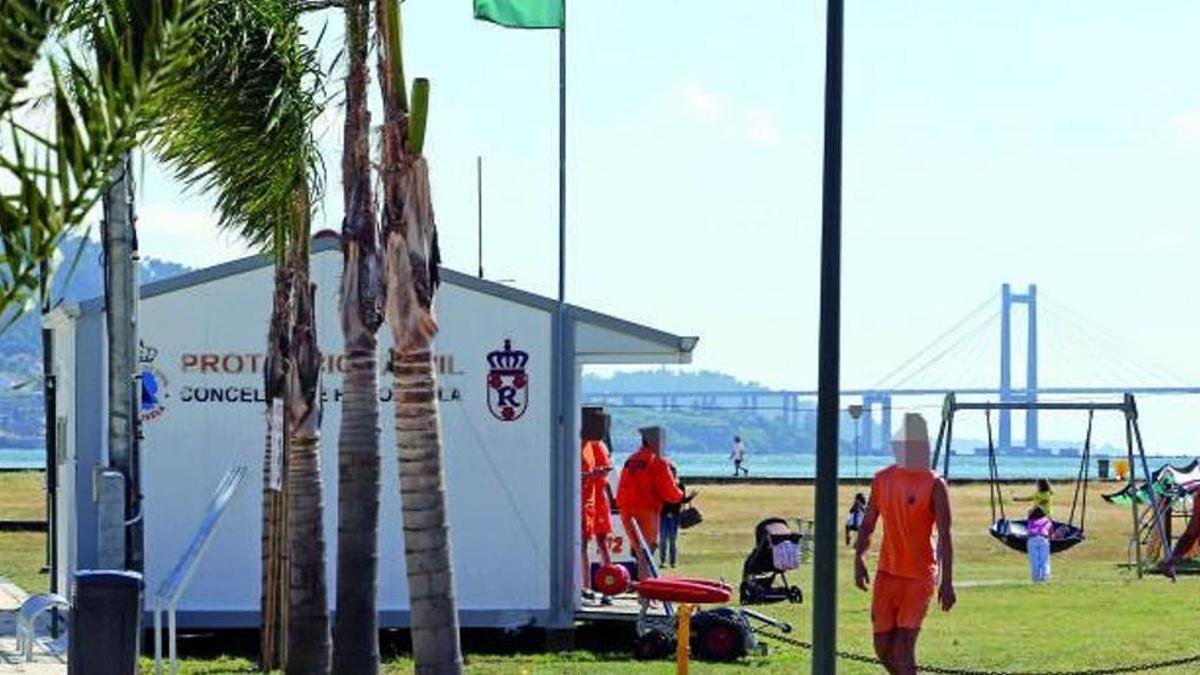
(103, 104)
(24, 27)
(240, 120)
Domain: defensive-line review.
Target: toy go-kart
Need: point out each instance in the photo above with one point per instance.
(721, 634)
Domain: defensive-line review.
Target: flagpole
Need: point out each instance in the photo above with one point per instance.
(825, 557)
(479, 203)
(564, 357)
(562, 159)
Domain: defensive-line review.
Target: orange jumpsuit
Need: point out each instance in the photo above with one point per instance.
(593, 495)
(904, 582)
(646, 484)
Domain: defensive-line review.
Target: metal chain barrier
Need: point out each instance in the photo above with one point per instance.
(1116, 670)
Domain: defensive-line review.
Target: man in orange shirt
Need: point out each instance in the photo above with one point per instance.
(911, 498)
(646, 484)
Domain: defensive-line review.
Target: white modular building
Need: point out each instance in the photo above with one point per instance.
(512, 474)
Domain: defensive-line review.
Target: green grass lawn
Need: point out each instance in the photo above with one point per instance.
(22, 554)
(22, 495)
(1094, 612)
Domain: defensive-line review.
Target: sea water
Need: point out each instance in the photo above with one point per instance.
(22, 458)
(784, 465)
(787, 465)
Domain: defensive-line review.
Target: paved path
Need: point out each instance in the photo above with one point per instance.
(11, 598)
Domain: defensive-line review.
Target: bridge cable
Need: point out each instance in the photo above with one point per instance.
(990, 300)
(1122, 345)
(968, 361)
(1111, 348)
(948, 350)
(1094, 362)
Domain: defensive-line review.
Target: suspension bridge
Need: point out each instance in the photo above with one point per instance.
(1079, 349)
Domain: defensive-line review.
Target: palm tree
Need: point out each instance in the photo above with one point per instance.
(412, 260)
(411, 275)
(356, 631)
(227, 93)
(308, 639)
(241, 127)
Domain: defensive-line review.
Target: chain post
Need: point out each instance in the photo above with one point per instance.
(683, 638)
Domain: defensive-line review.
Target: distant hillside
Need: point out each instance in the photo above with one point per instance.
(694, 427)
(666, 381)
(21, 345)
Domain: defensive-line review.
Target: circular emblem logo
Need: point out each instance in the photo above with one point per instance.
(154, 384)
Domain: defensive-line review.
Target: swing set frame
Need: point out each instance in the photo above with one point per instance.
(1133, 441)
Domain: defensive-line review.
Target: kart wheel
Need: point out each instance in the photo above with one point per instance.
(719, 638)
(653, 646)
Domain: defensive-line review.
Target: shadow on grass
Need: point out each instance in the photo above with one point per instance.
(599, 643)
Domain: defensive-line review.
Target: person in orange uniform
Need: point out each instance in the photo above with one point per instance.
(911, 498)
(646, 484)
(597, 524)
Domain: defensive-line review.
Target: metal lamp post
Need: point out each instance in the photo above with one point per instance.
(856, 412)
(824, 616)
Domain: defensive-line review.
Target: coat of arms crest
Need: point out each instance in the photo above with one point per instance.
(507, 384)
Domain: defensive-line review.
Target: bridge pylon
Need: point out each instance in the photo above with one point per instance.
(1029, 392)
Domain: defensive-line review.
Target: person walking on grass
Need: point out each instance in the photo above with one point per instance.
(738, 457)
(1037, 544)
(911, 498)
(645, 486)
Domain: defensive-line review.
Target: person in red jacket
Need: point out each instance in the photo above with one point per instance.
(646, 484)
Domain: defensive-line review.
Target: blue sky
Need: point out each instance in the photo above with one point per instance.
(1021, 141)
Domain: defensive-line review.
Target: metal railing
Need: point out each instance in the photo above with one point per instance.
(176, 583)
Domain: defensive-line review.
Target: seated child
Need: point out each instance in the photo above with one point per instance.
(858, 511)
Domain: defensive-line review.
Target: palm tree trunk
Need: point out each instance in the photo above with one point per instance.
(434, 621)
(412, 261)
(274, 535)
(271, 601)
(356, 631)
(308, 640)
(308, 616)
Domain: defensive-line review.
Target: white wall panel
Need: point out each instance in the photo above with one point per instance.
(497, 472)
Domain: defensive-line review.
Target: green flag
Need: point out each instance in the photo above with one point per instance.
(521, 13)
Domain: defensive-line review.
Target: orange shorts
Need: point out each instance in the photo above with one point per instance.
(899, 602)
(587, 519)
(647, 520)
(596, 520)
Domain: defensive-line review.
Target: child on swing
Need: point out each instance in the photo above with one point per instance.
(1039, 527)
(1041, 496)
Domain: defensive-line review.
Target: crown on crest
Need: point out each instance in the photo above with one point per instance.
(508, 359)
(146, 353)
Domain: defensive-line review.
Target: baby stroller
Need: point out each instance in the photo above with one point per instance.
(776, 551)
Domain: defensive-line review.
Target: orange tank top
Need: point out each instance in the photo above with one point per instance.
(904, 498)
